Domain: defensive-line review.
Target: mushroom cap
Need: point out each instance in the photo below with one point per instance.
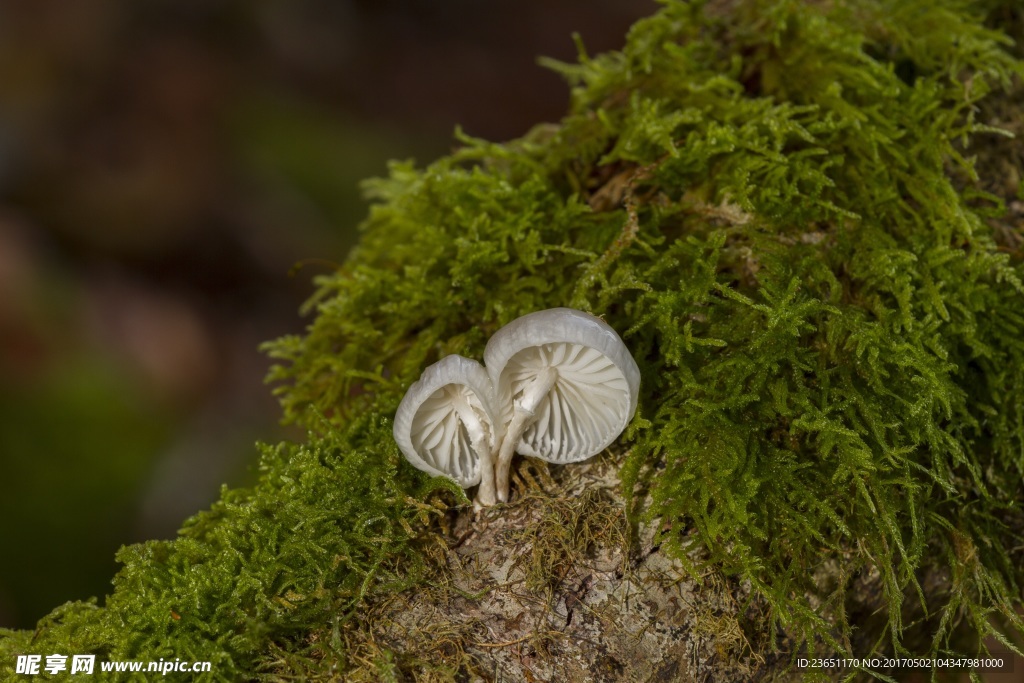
(595, 395)
(429, 429)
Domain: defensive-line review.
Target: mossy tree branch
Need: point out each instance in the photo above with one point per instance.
(775, 202)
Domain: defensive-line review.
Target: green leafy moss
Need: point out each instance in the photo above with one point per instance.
(775, 202)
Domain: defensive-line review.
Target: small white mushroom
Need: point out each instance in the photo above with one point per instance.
(446, 424)
(569, 382)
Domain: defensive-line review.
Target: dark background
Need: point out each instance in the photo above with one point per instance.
(164, 165)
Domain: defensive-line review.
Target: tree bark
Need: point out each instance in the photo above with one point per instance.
(557, 587)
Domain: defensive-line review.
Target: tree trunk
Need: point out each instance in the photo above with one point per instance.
(558, 587)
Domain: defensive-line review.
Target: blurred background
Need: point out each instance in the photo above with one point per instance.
(164, 167)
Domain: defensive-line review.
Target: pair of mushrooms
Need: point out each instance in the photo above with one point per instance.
(559, 385)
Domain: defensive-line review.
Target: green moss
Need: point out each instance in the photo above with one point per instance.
(775, 202)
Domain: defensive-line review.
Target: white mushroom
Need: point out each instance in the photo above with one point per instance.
(446, 424)
(569, 383)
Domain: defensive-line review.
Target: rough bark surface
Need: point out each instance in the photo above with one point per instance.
(557, 587)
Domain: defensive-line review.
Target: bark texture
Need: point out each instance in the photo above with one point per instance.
(558, 587)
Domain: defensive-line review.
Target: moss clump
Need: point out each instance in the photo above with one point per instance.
(775, 202)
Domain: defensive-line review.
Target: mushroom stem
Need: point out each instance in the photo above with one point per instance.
(480, 442)
(522, 418)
